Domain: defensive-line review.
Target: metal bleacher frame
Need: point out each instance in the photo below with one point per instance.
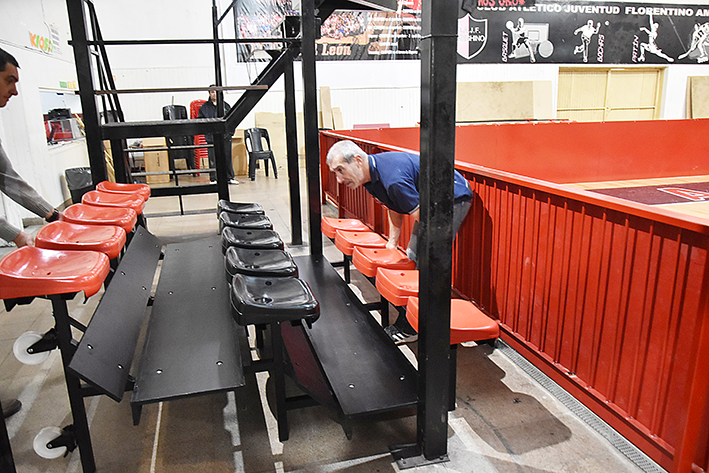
(438, 53)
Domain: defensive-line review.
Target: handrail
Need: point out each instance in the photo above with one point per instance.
(662, 215)
(178, 89)
(133, 42)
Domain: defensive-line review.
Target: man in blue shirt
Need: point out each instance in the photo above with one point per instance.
(393, 179)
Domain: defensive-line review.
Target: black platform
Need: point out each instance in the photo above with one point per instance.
(366, 371)
(192, 345)
(104, 355)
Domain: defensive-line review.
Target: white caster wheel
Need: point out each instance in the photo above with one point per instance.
(41, 440)
(21, 345)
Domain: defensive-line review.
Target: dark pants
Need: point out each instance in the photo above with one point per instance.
(460, 210)
(213, 162)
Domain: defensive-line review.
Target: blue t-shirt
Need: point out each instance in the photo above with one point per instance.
(395, 181)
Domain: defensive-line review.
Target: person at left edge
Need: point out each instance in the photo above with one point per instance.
(12, 185)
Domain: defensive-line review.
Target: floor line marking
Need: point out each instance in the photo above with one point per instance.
(156, 440)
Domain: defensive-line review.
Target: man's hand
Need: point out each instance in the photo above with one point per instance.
(395, 222)
(23, 239)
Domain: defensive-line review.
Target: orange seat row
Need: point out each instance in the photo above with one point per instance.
(74, 254)
(397, 279)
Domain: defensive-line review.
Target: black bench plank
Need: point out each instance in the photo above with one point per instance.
(105, 352)
(366, 370)
(191, 345)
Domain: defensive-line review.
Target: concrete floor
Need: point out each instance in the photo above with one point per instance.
(504, 422)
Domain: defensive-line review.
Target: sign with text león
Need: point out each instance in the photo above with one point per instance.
(565, 31)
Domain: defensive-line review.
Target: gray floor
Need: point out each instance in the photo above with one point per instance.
(504, 422)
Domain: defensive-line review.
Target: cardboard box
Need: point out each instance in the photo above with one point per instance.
(156, 161)
(275, 123)
(239, 154)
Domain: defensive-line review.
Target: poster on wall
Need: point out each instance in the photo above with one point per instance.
(259, 19)
(563, 31)
(584, 33)
(362, 35)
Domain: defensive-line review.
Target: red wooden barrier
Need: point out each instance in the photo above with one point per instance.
(607, 297)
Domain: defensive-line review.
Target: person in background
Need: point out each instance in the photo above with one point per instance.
(12, 185)
(209, 110)
(393, 179)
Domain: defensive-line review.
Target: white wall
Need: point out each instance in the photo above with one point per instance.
(21, 123)
(366, 91)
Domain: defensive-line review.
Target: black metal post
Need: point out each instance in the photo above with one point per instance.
(119, 160)
(6, 461)
(73, 385)
(310, 112)
(279, 383)
(292, 151)
(84, 73)
(219, 139)
(438, 88)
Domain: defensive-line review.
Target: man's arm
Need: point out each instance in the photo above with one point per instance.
(396, 220)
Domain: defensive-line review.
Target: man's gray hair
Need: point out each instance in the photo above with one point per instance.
(346, 149)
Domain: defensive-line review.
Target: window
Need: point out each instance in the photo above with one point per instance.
(609, 94)
(62, 116)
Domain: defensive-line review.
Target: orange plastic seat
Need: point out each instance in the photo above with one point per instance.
(346, 241)
(108, 199)
(92, 215)
(396, 285)
(330, 226)
(142, 190)
(368, 260)
(107, 239)
(30, 271)
(468, 323)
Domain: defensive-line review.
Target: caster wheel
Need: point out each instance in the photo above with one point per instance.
(21, 345)
(41, 440)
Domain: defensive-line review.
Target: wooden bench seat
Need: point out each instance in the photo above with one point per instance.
(104, 355)
(364, 370)
(191, 345)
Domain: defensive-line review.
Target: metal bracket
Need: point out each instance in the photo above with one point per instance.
(410, 456)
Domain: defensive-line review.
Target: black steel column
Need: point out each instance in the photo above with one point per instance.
(119, 155)
(219, 139)
(292, 152)
(438, 83)
(84, 74)
(7, 464)
(310, 112)
(73, 385)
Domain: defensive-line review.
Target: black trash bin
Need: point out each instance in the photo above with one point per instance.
(79, 182)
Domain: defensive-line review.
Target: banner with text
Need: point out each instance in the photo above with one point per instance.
(549, 32)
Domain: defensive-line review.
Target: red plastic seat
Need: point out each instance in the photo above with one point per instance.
(346, 241)
(107, 239)
(396, 285)
(468, 323)
(30, 271)
(143, 190)
(107, 199)
(330, 226)
(368, 260)
(92, 215)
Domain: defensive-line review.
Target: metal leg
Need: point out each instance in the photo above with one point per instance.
(6, 461)
(384, 311)
(279, 382)
(452, 377)
(73, 385)
(346, 265)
